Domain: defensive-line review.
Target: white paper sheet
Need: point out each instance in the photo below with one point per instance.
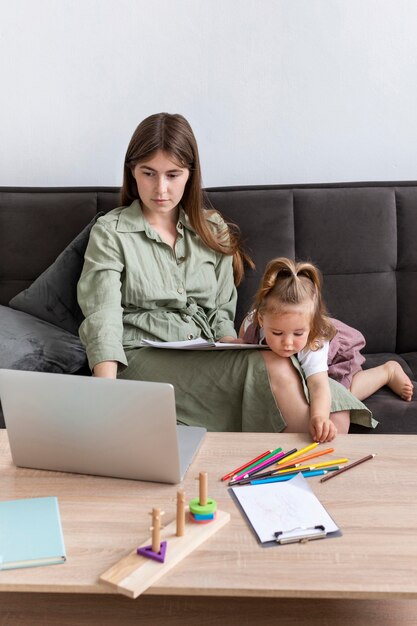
(289, 507)
(199, 344)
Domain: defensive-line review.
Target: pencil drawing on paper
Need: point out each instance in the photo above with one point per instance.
(282, 507)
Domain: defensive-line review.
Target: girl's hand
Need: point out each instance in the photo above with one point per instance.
(322, 429)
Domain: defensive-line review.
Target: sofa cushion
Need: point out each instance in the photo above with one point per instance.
(28, 343)
(46, 220)
(52, 297)
(393, 414)
(351, 234)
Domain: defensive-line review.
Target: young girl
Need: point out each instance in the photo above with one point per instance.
(290, 317)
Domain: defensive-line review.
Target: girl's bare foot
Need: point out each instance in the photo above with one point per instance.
(398, 381)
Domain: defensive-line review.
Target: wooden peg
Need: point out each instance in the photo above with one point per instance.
(156, 529)
(203, 488)
(180, 513)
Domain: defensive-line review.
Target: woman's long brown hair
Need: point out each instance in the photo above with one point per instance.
(172, 134)
(285, 283)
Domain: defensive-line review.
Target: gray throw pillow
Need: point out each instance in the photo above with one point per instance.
(53, 295)
(28, 343)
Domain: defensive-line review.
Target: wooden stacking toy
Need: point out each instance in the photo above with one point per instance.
(203, 508)
(169, 544)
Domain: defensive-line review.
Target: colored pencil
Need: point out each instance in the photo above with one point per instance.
(344, 469)
(300, 467)
(266, 463)
(268, 456)
(287, 454)
(244, 481)
(242, 467)
(306, 468)
(302, 450)
(279, 479)
(313, 455)
(303, 469)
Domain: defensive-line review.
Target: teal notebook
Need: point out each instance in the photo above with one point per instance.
(30, 533)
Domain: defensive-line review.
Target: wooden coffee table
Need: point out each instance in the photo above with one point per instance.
(368, 575)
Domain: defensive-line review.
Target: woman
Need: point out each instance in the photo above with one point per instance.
(164, 266)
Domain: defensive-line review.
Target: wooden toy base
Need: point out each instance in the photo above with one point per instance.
(133, 574)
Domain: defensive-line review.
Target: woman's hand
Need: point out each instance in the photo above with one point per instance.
(227, 339)
(105, 369)
(322, 429)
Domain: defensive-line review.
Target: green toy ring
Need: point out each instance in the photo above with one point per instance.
(202, 509)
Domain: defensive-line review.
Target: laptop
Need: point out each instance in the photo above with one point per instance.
(86, 425)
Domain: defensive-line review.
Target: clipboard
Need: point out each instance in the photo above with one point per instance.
(284, 512)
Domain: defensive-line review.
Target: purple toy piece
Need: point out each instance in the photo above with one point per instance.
(150, 554)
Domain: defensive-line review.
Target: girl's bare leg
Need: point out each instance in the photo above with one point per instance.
(366, 382)
(289, 396)
(288, 392)
(341, 420)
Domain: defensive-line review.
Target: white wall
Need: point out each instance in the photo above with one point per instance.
(277, 91)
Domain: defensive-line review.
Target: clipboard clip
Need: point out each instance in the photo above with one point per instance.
(302, 534)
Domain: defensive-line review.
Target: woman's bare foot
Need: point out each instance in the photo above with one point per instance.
(398, 380)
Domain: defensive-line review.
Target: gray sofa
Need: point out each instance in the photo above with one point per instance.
(362, 236)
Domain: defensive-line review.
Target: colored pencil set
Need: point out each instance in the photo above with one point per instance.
(287, 464)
